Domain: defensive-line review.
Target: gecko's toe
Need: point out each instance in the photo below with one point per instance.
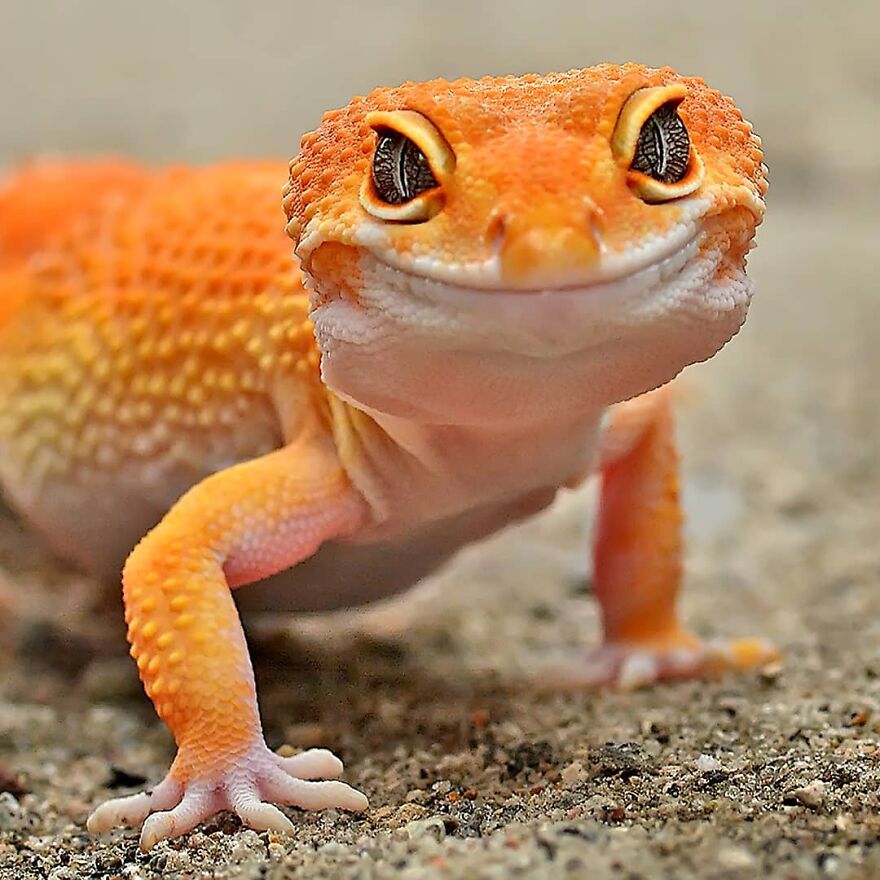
(621, 666)
(133, 809)
(197, 804)
(258, 778)
(262, 816)
(314, 795)
(130, 810)
(313, 764)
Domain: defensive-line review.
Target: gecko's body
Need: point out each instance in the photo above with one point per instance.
(492, 264)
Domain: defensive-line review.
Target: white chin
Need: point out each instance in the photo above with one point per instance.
(426, 349)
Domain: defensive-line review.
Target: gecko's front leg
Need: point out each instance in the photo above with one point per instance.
(237, 526)
(637, 560)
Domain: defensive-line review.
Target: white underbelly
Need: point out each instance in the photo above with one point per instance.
(345, 575)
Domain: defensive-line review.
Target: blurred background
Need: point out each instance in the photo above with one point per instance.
(206, 79)
(781, 470)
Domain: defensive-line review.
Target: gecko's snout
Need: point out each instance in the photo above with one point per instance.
(543, 245)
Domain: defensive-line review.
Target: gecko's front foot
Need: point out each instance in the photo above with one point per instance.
(255, 780)
(630, 665)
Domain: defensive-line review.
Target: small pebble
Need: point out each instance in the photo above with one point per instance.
(859, 719)
(770, 673)
(13, 816)
(573, 774)
(812, 794)
(706, 764)
(734, 858)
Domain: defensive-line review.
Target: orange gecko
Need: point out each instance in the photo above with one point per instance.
(485, 269)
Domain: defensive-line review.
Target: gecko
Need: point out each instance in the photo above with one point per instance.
(490, 286)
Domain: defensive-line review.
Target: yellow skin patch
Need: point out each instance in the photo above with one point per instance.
(167, 382)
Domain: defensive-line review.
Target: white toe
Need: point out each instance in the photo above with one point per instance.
(314, 795)
(637, 670)
(261, 816)
(195, 806)
(313, 764)
(134, 808)
(130, 810)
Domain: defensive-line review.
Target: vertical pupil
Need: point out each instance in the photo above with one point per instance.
(415, 176)
(403, 161)
(656, 135)
(386, 173)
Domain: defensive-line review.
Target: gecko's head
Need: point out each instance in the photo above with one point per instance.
(497, 249)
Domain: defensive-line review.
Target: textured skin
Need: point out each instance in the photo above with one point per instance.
(163, 371)
(526, 147)
(148, 326)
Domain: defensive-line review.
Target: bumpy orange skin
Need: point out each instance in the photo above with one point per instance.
(45, 199)
(155, 338)
(524, 146)
(155, 326)
(237, 526)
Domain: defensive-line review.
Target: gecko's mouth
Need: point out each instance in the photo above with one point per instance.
(616, 277)
(638, 261)
(679, 286)
(619, 336)
(664, 255)
(546, 321)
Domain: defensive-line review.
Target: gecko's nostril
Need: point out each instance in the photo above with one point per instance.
(495, 232)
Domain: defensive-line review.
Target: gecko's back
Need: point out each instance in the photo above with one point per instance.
(143, 314)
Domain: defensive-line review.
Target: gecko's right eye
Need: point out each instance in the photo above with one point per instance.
(411, 159)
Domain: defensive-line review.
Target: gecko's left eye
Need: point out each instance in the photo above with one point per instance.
(411, 160)
(400, 169)
(663, 149)
(652, 140)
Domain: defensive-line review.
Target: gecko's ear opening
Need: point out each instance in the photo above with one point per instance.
(411, 162)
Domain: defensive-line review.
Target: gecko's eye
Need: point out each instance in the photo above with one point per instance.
(400, 169)
(663, 149)
(652, 140)
(411, 159)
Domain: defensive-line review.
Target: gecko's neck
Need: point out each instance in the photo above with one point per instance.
(430, 471)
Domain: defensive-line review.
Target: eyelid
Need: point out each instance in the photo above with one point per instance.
(635, 112)
(416, 210)
(422, 132)
(654, 191)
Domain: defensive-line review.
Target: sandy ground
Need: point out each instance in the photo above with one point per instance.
(472, 771)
